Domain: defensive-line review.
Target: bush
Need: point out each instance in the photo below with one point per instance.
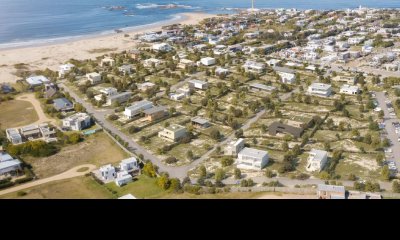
(74, 138)
(149, 170)
(193, 189)
(302, 176)
(21, 193)
(113, 117)
(23, 180)
(171, 160)
(226, 161)
(6, 185)
(33, 148)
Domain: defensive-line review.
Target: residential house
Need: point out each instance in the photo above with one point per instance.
(137, 108)
(107, 61)
(64, 69)
(287, 75)
(135, 54)
(119, 98)
(221, 71)
(144, 86)
(350, 80)
(273, 62)
(153, 62)
(278, 127)
(9, 165)
(30, 132)
(77, 122)
(94, 77)
(255, 87)
(198, 84)
(125, 69)
(200, 122)
(316, 160)
(50, 89)
(13, 136)
(63, 104)
(331, 192)
(173, 133)
(108, 172)
(234, 147)
(255, 67)
(320, 89)
(123, 178)
(250, 158)
(35, 81)
(129, 165)
(185, 63)
(162, 47)
(207, 61)
(6, 88)
(155, 113)
(350, 90)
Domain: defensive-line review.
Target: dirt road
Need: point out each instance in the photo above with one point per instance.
(30, 97)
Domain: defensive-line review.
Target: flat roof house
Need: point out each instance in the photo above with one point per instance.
(278, 127)
(173, 133)
(63, 104)
(351, 80)
(13, 136)
(288, 76)
(119, 98)
(350, 90)
(107, 61)
(137, 108)
(316, 160)
(50, 89)
(198, 84)
(331, 192)
(200, 122)
(125, 69)
(320, 89)
(64, 69)
(30, 132)
(221, 71)
(123, 178)
(255, 67)
(261, 87)
(9, 165)
(155, 113)
(250, 158)
(234, 147)
(108, 172)
(94, 77)
(162, 47)
(129, 165)
(77, 122)
(207, 61)
(35, 81)
(152, 61)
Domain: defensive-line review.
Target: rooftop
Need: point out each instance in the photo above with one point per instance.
(320, 86)
(154, 110)
(175, 127)
(318, 154)
(283, 69)
(252, 152)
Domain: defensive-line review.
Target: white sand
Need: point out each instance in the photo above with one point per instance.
(51, 56)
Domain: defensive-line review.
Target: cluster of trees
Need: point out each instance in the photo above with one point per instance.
(368, 186)
(33, 148)
(166, 183)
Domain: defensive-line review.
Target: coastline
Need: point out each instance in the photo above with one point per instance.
(52, 54)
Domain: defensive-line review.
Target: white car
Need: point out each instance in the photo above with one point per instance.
(378, 109)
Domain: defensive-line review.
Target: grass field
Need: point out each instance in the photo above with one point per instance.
(16, 113)
(75, 188)
(97, 149)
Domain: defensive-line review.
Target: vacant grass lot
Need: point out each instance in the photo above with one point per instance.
(16, 113)
(97, 149)
(75, 188)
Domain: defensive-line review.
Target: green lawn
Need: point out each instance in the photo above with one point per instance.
(16, 113)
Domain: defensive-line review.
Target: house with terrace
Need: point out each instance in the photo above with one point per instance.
(288, 76)
(320, 89)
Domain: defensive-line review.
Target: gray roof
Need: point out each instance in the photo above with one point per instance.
(331, 188)
(283, 69)
(252, 152)
(62, 103)
(200, 120)
(139, 105)
(5, 157)
(262, 86)
(318, 154)
(320, 86)
(154, 110)
(8, 164)
(119, 95)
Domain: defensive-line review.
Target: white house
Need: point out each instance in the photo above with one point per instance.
(129, 165)
(234, 147)
(351, 90)
(77, 122)
(64, 69)
(252, 66)
(320, 89)
(198, 84)
(108, 172)
(287, 75)
(13, 136)
(207, 61)
(8, 164)
(125, 69)
(250, 158)
(316, 160)
(137, 108)
(94, 77)
(162, 47)
(149, 62)
(123, 178)
(221, 71)
(35, 81)
(107, 61)
(273, 62)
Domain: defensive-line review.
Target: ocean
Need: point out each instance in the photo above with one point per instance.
(28, 22)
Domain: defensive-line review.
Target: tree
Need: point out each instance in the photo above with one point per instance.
(163, 182)
(219, 174)
(379, 159)
(79, 108)
(327, 146)
(215, 134)
(149, 170)
(385, 173)
(190, 155)
(226, 161)
(175, 185)
(324, 175)
(396, 187)
(239, 133)
(185, 181)
(74, 138)
(269, 173)
(285, 147)
(352, 177)
(237, 173)
(203, 171)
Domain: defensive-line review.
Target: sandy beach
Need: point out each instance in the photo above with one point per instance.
(52, 55)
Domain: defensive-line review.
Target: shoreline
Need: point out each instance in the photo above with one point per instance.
(52, 54)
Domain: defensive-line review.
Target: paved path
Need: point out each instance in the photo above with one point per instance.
(30, 97)
(62, 176)
(390, 129)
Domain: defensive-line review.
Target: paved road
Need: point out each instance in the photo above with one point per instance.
(390, 129)
(62, 176)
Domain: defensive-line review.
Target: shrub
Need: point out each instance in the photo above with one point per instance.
(21, 193)
(193, 189)
(226, 161)
(171, 160)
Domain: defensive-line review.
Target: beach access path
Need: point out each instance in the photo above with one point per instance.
(30, 97)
